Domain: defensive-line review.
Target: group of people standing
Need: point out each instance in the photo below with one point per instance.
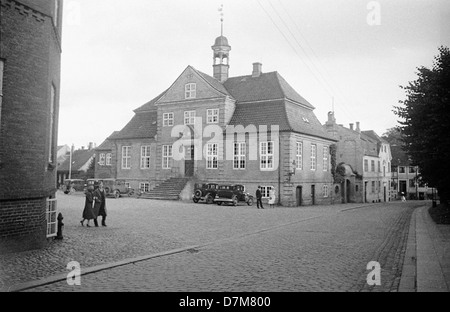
(259, 198)
(95, 204)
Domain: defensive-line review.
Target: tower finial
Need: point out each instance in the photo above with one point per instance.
(221, 19)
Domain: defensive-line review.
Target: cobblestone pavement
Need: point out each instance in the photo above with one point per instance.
(320, 248)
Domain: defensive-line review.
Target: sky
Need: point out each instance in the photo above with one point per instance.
(350, 55)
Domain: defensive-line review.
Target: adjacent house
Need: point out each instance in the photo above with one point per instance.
(254, 130)
(365, 159)
(81, 162)
(104, 168)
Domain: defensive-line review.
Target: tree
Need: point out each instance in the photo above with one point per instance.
(394, 136)
(425, 122)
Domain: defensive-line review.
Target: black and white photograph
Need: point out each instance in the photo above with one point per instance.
(224, 151)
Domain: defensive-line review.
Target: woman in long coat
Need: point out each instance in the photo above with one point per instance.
(102, 211)
(97, 201)
(88, 212)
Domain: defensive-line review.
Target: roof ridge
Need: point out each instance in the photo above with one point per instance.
(202, 74)
(277, 75)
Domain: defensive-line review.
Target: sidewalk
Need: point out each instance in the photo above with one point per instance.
(426, 265)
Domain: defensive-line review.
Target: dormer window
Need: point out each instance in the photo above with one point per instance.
(190, 91)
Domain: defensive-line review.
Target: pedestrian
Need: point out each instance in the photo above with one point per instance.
(403, 197)
(88, 212)
(97, 201)
(272, 197)
(258, 198)
(102, 211)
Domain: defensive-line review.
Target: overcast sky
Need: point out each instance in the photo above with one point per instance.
(118, 55)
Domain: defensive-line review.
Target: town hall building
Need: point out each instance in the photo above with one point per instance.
(254, 130)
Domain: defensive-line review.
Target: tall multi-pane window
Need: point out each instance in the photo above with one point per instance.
(266, 155)
(372, 165)
(299, 156)
(212, 116)
(108, 159)
(167, 156)
(373, 186)
(51, 217)
(239, 155)
(126, 157)
(101, 160)
(265, 191)
(366, 165)
(313, 156)
(190, 91)
(189, 117)
(167, 119)
(325, 158)
(52, 124)
(325, 190)
(145, 157)
(212, 156)
(379, 166)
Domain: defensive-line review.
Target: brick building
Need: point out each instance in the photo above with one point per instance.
(253, 129)
(367, 161)
(104, 168)
(30, 51)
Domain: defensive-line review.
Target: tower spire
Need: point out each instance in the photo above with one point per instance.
(221, 19)
(221, 54)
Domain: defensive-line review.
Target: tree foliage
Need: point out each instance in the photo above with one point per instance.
(425, 122)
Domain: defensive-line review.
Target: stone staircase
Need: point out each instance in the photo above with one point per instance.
(168, 190)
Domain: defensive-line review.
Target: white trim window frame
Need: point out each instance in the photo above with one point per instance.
(266, 153)
(325, 190)
(189, 118)
(265, 191)
(52, 222)
(239, 159)
(325, 158)
(166, 156)
(102, 158)
(212, 116)
(313, 157)
(299, 156)
(168, 119)
(126, 157)
(144, 187)
(145, 157)
(212, 156)
(190, 91)
(108, 159)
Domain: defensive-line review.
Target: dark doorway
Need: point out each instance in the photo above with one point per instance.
(384, 193)
(402, 187)
(299, 195)
(313, 194)
(348, 190)
(365, 192)
(189, 161)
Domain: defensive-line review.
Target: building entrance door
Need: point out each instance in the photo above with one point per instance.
(313, 194)
(299, 195)
(189, 161)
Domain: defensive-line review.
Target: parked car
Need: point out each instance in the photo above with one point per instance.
(71, 186)
(233, 194)
(205, 191)
(113, 187)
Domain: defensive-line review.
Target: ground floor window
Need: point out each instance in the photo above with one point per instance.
(265, 191)
(51, 217)
(144, 187)
(325, 190)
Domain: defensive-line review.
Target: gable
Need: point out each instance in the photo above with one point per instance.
(204, 88)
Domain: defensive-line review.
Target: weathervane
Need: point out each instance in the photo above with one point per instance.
(221, 19)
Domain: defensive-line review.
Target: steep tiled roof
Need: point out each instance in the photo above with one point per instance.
(142, 125)
(79, 159)
(107, 144)
(268, 86)
(150, 106)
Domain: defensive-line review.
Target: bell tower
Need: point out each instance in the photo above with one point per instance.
(221, 55)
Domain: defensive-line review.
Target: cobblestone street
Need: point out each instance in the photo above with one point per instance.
(319, 248)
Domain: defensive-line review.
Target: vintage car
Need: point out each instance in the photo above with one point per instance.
(113, 187)
(233, 194)
(204, 191)
(71, 186)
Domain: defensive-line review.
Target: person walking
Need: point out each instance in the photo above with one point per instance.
(97, 202)
(102, 211)
(259, 198)
(88, 212)
(272, 198)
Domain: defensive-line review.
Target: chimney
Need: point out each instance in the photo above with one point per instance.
(91, 145)
(351, 126)
(357, 127)
(256, 70)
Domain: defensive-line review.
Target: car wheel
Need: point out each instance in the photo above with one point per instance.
(198, 193)
(209, 199)
(195, 200)
(116, 194)
(219, 203)
(235, 201)
(250, 202)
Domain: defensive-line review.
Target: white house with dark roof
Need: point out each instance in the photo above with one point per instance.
(251, 130)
